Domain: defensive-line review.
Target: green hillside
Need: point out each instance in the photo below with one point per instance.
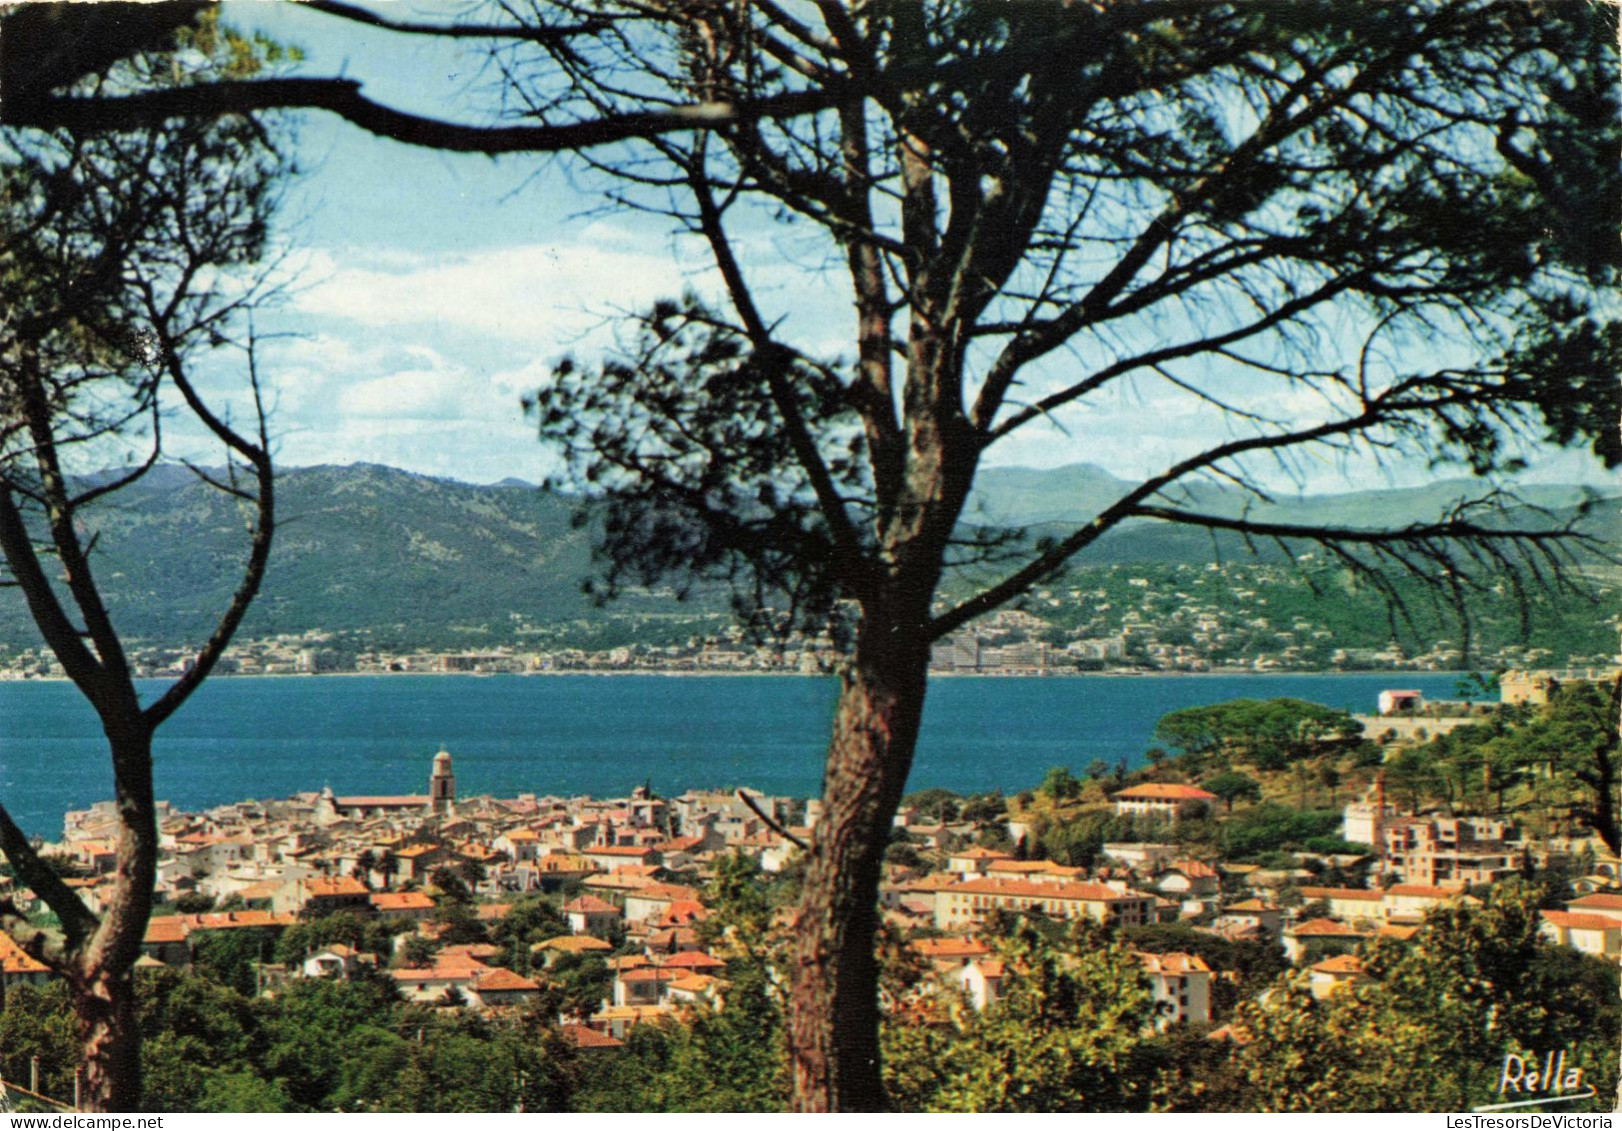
(398, 560)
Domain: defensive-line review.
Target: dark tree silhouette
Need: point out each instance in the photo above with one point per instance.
(117, 259)
(1338, 232)
(52, 48)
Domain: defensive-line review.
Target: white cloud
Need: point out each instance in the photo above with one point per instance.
(528, 295)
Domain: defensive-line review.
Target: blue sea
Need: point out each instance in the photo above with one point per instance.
(247, 737)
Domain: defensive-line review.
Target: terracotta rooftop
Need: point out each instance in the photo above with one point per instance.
(1086, 893)
(671, 892)
(585, 1037)
(683, 911)
(15, 960)
(979, 853)
(381, 802)
(692, 960)
(505, 980)
(1173, 962)
(1599, 900)
(162, 929)
(400, 901)
(1427, 890)
(589, 905)
(1310, 894)
(1163, 791)
(1325, 927)
(964, 947)
(575, 943)
(1340, 964)
(1573, 921)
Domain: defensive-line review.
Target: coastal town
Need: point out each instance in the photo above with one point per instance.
(1146, 619)
(626, 886)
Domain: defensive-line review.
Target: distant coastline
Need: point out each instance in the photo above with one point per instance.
(722, 673)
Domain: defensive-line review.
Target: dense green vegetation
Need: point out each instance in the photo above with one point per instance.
(1427, 1031)
(1555, 768)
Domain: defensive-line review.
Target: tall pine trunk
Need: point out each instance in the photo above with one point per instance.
(104, 1015)
(833, 1012)
(101, 981)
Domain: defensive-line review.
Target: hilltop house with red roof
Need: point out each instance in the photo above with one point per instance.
(1182, 988)
(499, 988)
(1332, 974)
(320, 896)
(1352, 905)
(587, 1039)
(1161, 800)
(948, 953)
(550, 950)
(433, 984)
(1599, 935)
(651, 902)
(972, 900)
(1249, 916)
(1317, 938)
(412, 906)
(1608, 904)
(335, 961)
(168, 937)
(612, 856)
(643, 985)
(974, 861)
(589, 915)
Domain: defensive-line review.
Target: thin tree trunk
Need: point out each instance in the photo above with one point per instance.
(833, 1012)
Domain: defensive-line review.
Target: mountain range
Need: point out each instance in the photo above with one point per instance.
(414, 561)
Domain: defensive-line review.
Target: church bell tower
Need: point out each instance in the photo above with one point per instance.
(442, 785)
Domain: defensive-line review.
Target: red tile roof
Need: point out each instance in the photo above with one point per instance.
(585, 1037)
(1600, 900)
(589, 905)
(1086, 893)
(964, 947)
(500, 979)
(1164, 791)
(575, 943)
(1575, 922)
(15, 960)
(1173, 962)
(1366, 896)
(1325, 927)
(692, 960)
(1340, 964)
(162, 929)
(400, 901)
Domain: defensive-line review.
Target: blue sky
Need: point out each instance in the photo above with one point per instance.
(430, 291)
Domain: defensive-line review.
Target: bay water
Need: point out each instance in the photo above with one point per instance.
(264, 737)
